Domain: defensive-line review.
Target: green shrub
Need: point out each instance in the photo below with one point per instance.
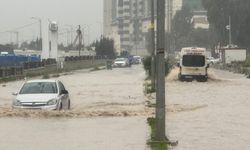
(155, 145)
(46, 76)
(55, 75)
(147, 65)
(247, 62)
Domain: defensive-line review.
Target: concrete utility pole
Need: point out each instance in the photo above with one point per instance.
(79, 33)
(17, 39)
(40, 26)
(230, 31)
(160, 72)
(152, 27)
(71, 33)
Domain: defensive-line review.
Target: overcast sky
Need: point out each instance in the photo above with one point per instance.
(16, 13)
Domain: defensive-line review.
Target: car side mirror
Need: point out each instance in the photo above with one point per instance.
(64, 92)
(14, 93)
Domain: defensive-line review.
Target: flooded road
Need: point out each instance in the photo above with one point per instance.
(223, 124)
(118, 91)
(73, 134)
(108, 112)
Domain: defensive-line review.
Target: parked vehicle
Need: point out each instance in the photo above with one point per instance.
(121, 62)
(137, 60)
(212, 60)
(193, 64)
(42, 94)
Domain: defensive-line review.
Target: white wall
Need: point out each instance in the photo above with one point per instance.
(45, 30)
(235, 55)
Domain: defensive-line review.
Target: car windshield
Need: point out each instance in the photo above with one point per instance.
(39, 87)
(193, 61)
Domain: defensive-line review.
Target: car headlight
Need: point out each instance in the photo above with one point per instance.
(52, 102)
(16, 102)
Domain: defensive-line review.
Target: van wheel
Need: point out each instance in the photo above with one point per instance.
(180, 78)
(202, 79)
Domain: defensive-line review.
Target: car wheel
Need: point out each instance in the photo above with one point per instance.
(60, 106)
(69, 104)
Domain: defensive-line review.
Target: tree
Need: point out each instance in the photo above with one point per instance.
(124, 54)
(218, 16)
(184, 35)
(105, 47)
(182, 22)
(7, 48)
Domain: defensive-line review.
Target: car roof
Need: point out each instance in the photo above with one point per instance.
(41, 80)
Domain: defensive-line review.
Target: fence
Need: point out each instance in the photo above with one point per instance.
(11, 71)
(50, 66)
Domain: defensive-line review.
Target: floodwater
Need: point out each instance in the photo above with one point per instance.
(108, 112)
(73, 134)
(222, 124)
(115, 92)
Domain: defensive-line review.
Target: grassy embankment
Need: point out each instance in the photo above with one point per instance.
(236, 67)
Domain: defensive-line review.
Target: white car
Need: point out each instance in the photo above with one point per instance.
(137, 60)
(121, 62)
(42, 94)
(212, 60)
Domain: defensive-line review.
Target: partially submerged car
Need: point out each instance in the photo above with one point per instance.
(42, 94)
(121, 62)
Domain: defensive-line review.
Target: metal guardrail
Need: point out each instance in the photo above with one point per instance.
(15, 71)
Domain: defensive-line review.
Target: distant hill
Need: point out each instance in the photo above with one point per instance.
(194, 5)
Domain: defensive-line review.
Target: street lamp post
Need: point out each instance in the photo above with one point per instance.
(101, 27)
(40, 26)
(71, 33)
(230, 32)
(88, 35)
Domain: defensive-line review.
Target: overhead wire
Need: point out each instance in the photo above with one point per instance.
(18, 28)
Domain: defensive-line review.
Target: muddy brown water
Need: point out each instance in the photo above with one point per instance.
(73, 134)
(223, 124)
(108, 112)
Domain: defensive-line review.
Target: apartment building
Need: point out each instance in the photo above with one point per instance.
(127, 22)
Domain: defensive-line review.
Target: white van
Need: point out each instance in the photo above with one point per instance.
(193, 64)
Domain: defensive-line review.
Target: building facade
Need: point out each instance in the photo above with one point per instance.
(128, 21)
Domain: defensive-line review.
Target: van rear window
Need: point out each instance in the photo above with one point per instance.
(193, 61)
